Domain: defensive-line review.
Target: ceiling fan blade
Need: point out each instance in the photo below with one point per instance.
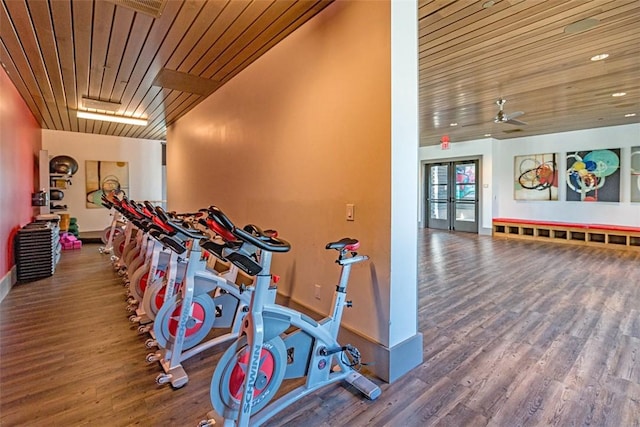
(515, 122)
(514, 115)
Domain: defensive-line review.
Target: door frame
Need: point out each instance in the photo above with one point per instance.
(425, 189)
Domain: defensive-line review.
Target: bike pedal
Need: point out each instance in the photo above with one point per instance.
(364, 385)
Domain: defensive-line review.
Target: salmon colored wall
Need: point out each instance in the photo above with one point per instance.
(20, 143)
(290, 141)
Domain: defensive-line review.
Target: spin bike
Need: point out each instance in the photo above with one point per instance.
(118, 238)
(252, 369)
(111, 232)
(155, 264)
(133, 238)
(206, 300)
(168, 267)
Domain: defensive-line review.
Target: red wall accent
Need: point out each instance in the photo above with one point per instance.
(20, 143)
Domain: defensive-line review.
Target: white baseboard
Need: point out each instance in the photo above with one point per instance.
(7, 282)
(389, 364)
(485, 231)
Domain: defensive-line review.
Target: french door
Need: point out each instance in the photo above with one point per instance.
(452, 195)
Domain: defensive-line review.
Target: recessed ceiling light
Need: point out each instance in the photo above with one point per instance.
(630, 115)
(453, 124)
(617, 94)
(600, 57)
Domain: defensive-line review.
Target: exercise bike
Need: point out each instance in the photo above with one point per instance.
(252, 369)
(116, 228)
(206, 300)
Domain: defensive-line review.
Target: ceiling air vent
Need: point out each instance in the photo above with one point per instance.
(97, 104)
(183, 82)
(152, 8)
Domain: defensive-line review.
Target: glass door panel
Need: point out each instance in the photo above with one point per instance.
(438, 197)
(452, 199)
(466, 199)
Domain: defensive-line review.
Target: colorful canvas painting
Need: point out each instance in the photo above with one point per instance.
(104, 177)
(593, 176)
(635, 174)
(536, 177)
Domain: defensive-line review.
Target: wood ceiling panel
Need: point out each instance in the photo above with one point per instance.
(175, 104)
(541, 60)
(120, 34)
(142, 31)
(63, 30)
(257, 36)
(519, 50)
(139, 32)
(67, 50)
(155, 59)
(203, 52)
(201, 26)
(12, 71)
(103, 14)
(82, 15)
(43, 26)
(185, 105)
(243, 42)
(21, 41)
(199, 36)
(143, 56)
(58, 51)
(540, 23)
(278, 32)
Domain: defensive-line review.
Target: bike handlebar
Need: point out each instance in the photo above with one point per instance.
(251, 233)
(268, 242)
(219, 216)
(178, 225)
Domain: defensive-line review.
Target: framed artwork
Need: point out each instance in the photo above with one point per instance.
(593, 176)
(536, 177)
(104, 177)
(635, 174)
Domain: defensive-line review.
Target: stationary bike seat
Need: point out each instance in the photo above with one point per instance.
(344, 243)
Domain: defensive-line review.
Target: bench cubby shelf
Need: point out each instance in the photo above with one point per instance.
(611, 236)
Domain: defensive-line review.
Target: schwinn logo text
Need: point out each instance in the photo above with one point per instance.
(253, 374)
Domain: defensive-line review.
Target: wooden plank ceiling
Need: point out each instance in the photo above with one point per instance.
(471, 53)
(474, 52)
(58, 52)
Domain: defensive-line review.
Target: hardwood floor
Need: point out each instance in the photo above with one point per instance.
(515, 334)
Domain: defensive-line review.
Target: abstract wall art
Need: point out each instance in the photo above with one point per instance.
(593, 176)
(635, 174)
(104, 177)
(536, 177)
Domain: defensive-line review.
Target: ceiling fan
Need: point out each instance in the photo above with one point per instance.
(502, 117)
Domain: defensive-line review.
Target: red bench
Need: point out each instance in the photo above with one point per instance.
(617, 236)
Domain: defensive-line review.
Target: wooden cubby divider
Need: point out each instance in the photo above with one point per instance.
(614, 236)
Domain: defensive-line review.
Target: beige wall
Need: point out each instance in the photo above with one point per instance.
(293, 139)
(144, 158)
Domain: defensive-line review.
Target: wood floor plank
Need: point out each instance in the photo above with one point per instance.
(515, 333)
